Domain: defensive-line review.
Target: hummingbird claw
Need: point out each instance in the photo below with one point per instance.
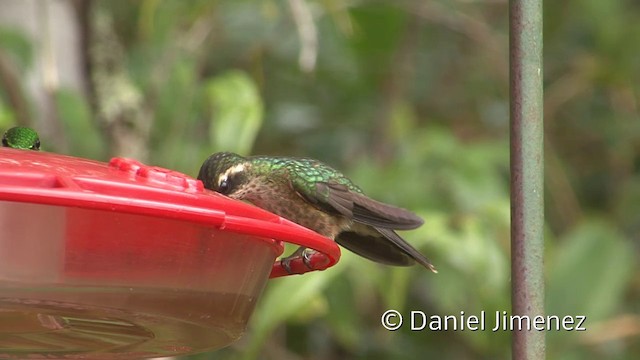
(306, 259)
(286, 264)
(301, 252)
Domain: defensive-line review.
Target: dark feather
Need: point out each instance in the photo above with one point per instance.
(375, 248)
(365, 210)
(341, 204)
(385, 247)
(407, 248)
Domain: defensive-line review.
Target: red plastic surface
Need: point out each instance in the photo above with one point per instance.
(127, 186)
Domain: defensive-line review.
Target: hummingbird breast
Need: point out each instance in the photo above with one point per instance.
(278, 197)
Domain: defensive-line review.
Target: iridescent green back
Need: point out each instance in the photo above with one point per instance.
(302, 171)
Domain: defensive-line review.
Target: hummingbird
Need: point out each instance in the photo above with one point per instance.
(21, 138)
(314, 195)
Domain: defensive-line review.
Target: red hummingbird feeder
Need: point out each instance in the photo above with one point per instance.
(124, 260)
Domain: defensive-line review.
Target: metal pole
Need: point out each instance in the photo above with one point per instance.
(527, 207)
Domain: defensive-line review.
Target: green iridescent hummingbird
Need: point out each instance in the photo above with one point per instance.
(21, 138)
(316, 196)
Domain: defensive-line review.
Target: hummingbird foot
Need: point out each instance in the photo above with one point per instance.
(301, 252)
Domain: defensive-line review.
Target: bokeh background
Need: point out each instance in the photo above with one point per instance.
(410, 99)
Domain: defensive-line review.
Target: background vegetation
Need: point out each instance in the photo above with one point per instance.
(410, 98)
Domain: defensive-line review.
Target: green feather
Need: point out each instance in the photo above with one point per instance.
(21, 138)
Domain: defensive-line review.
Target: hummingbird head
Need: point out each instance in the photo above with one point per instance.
(224, 172)
(21, 138)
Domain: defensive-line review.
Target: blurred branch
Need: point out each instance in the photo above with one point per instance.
(394, 88)
(576, 81)
(470, 26)
(455, 20)
(50, 80)
(339, 12)
(623, 99)
(83, 10)
(196, 36)
(482, 1)
(565, 206)
(620, 327)
(119, 102)
(191, 41)
(307, 33)
(13, 88)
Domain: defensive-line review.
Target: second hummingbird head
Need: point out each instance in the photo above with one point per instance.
(223, 172)
(21, 138)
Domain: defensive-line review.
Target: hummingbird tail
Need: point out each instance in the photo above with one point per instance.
(383, 246)
(407, 248)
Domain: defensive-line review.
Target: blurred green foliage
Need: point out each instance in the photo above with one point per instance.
(237, 112)
(410, 98)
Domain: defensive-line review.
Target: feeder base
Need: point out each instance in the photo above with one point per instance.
(116, 323)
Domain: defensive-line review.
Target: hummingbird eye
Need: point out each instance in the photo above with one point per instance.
(231, 179)
(223, 188)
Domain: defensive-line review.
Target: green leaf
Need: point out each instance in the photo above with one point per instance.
(82, 134)
(7, 117)
(237, 112)
(589, 272)
(284, 299)
(17, 44)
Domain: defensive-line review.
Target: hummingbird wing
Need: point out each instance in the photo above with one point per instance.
(340, 198)
(372, 235)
